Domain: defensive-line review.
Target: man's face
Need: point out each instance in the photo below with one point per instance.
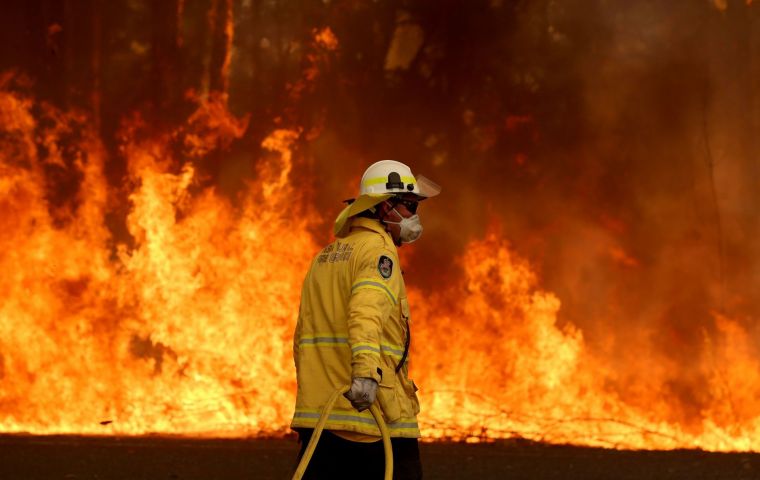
(395, 209)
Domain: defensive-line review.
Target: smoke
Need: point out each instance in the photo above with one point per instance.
(642, 221)
(612, 141)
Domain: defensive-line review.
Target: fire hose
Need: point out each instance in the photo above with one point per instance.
(374, 410)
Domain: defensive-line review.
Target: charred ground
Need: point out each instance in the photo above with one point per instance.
(113, 458)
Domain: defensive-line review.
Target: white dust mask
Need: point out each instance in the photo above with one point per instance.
(411, 228)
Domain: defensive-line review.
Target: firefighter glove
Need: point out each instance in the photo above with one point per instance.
(362, 393)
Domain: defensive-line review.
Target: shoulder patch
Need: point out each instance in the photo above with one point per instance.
(385, 266)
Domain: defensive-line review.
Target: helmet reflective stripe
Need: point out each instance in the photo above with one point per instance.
(388, 176)
(375, 181)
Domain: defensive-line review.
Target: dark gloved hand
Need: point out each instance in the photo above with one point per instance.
(362, 393)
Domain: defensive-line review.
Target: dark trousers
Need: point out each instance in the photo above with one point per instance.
(336, 458)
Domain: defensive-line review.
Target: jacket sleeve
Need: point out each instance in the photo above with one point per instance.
(297, 338)
(299, 321)
(374, 293)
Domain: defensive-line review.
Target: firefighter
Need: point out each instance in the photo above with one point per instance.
(354, 328)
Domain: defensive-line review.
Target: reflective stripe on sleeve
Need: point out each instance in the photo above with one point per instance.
(363, 347)
(392, 350)
(373, 285)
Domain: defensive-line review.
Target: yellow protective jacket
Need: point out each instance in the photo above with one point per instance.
(354, 322)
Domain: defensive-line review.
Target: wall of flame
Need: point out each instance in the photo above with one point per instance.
(179, 319)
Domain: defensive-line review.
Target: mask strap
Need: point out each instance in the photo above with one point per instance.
(393, 209)
(400, 216)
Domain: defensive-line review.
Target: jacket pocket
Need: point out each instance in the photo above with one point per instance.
(410, 391)
(386, 395)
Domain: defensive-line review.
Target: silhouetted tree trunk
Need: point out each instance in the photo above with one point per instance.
(222, 31)
(217, 47)
(256, 87)
(96, 94)
(165, 67)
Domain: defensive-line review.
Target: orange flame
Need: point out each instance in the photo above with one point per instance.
(187, 329)
(183, 332)
(506, 368)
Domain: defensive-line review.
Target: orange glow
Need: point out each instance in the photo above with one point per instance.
(510, 370)
(184, 325)
(186, 331)
(189, 329)
(326, 38)
(622, 258)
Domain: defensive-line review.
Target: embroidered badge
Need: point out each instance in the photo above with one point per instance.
(385, 266)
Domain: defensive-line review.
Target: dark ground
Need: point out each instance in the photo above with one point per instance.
(80, 458)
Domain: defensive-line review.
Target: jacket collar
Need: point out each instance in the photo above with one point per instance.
(372, 225)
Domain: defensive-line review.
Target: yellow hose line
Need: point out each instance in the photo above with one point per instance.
(374, 409)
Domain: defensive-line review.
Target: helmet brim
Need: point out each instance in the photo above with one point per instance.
(362, 203)
(427, 188)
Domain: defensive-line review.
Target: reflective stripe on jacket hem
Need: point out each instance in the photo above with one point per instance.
(344, 417)
(322, 341)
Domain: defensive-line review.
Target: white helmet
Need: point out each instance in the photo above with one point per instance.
(381, 181)
(390, 176)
